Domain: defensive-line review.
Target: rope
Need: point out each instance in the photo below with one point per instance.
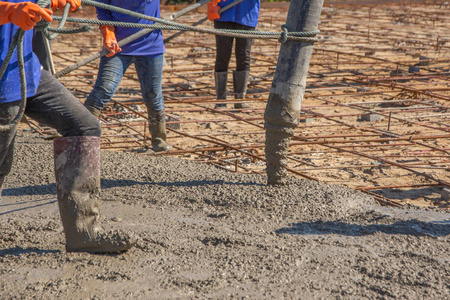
(44, 25)
(84, 28)
(306, 36)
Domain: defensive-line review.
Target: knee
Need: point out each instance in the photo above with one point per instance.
(88, 125)
(154, 101)
(91, 126)
(103, 90)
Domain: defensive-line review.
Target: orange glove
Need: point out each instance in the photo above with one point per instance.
(74, 4)
(23, 14)
(213, 11)
(109, 40)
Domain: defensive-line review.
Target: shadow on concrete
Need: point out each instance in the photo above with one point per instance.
(43, 189)
(107, 183)
(17, 251)
(408, 227)
(415, 193)
(28, 205)
(50, 189)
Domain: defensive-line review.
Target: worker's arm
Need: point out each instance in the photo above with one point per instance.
(213, 11)
(23, 14)
(109, 40)
(108, 31)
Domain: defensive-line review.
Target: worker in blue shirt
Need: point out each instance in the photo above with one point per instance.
(147, 54)
(243, 16)
(76, 153)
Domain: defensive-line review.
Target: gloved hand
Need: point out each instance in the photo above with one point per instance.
(109, 40)
(74, 4)
(213, 10)
(23, 14)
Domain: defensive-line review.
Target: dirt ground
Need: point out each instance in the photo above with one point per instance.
(207, 233)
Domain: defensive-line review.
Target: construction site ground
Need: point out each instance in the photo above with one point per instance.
(370, 222)
(375, 112)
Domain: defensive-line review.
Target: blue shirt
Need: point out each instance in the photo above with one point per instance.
(10, 82)
(151, 44)
(245, 13)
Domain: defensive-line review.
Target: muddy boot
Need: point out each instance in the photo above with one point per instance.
(77, 172)
(240, 80)
(157, 126)
(95, 111)
(221, 88)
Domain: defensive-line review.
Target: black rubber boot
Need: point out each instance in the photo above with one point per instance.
(157, 126)
(240, 80)
(77, 172)
(221, 88)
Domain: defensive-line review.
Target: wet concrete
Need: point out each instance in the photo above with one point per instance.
(207, 233)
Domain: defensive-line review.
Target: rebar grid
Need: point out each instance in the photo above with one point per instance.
(375, 115)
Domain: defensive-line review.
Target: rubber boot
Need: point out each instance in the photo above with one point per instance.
(77, 172)
(157, 126)
(221, 88)
(240, 80)
(95, 111)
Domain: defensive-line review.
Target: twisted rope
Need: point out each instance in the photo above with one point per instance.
(307, 36)
(44, 25)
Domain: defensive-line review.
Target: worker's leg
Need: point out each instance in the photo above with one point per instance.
(52, 105)
(55, 106)
(77, 173)
(149, 70)
(243, 49)
(110, 73)
(8, 112)
(77, 167)
(224, 48)
(242, 72)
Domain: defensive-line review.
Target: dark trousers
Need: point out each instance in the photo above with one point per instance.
(224, 47)
(53, 105)
(40, 50)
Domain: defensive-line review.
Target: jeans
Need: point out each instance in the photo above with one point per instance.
(53, 105)
(110, 73)
(223, 52)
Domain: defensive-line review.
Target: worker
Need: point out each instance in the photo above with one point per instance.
(147, 54)
(76, 153)
(243, 16)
